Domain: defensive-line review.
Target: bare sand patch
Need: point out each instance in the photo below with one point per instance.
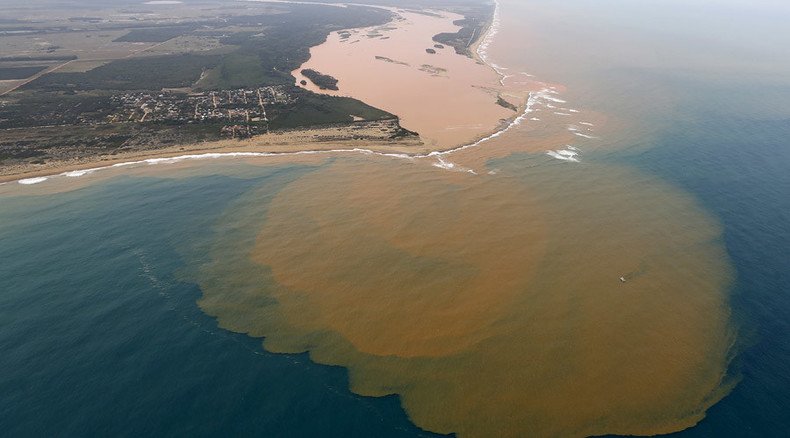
(9, 85)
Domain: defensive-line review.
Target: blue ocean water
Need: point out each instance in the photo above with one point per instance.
(99, 337)
(706, 88)
(737, 163)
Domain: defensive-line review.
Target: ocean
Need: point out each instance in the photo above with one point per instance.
(639, 288)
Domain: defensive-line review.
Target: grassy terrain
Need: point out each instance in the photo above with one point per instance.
(41, 109)
(53, 143)
(19, 72)
(154, 34)
(145, 73)
(239, 70)
(317, 109)
(37, 58)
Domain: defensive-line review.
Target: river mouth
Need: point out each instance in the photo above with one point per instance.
(447, 98)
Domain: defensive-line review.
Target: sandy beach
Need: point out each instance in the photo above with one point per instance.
(368, 136)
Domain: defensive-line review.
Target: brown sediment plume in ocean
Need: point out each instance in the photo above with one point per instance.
(518, 297)
(491, 304)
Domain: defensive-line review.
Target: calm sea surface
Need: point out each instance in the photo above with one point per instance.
(184, 299)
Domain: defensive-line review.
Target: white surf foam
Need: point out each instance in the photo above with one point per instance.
(534, 99)
(568, 154)
(485, 44)
(30, 181)
(555, 99)
(584, 135)
(83, 172)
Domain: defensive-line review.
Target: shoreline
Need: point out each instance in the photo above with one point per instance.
(283, 143)
(249, 149)
(92, 164)
(474, 48)
(259, 147)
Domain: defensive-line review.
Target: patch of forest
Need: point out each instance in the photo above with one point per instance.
(322, 81)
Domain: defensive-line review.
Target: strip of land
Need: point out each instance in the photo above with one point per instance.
(378, 136)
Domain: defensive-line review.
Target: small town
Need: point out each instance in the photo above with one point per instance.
(232, 106)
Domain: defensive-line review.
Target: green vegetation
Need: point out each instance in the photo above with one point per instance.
(145, 73)
(19, 72)
(238, 70)
(52, 109)
(318, 109)
(38, 58)
(505, 104)
(54, 143)
(475, 20)
(154, 34)
(324, 82)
